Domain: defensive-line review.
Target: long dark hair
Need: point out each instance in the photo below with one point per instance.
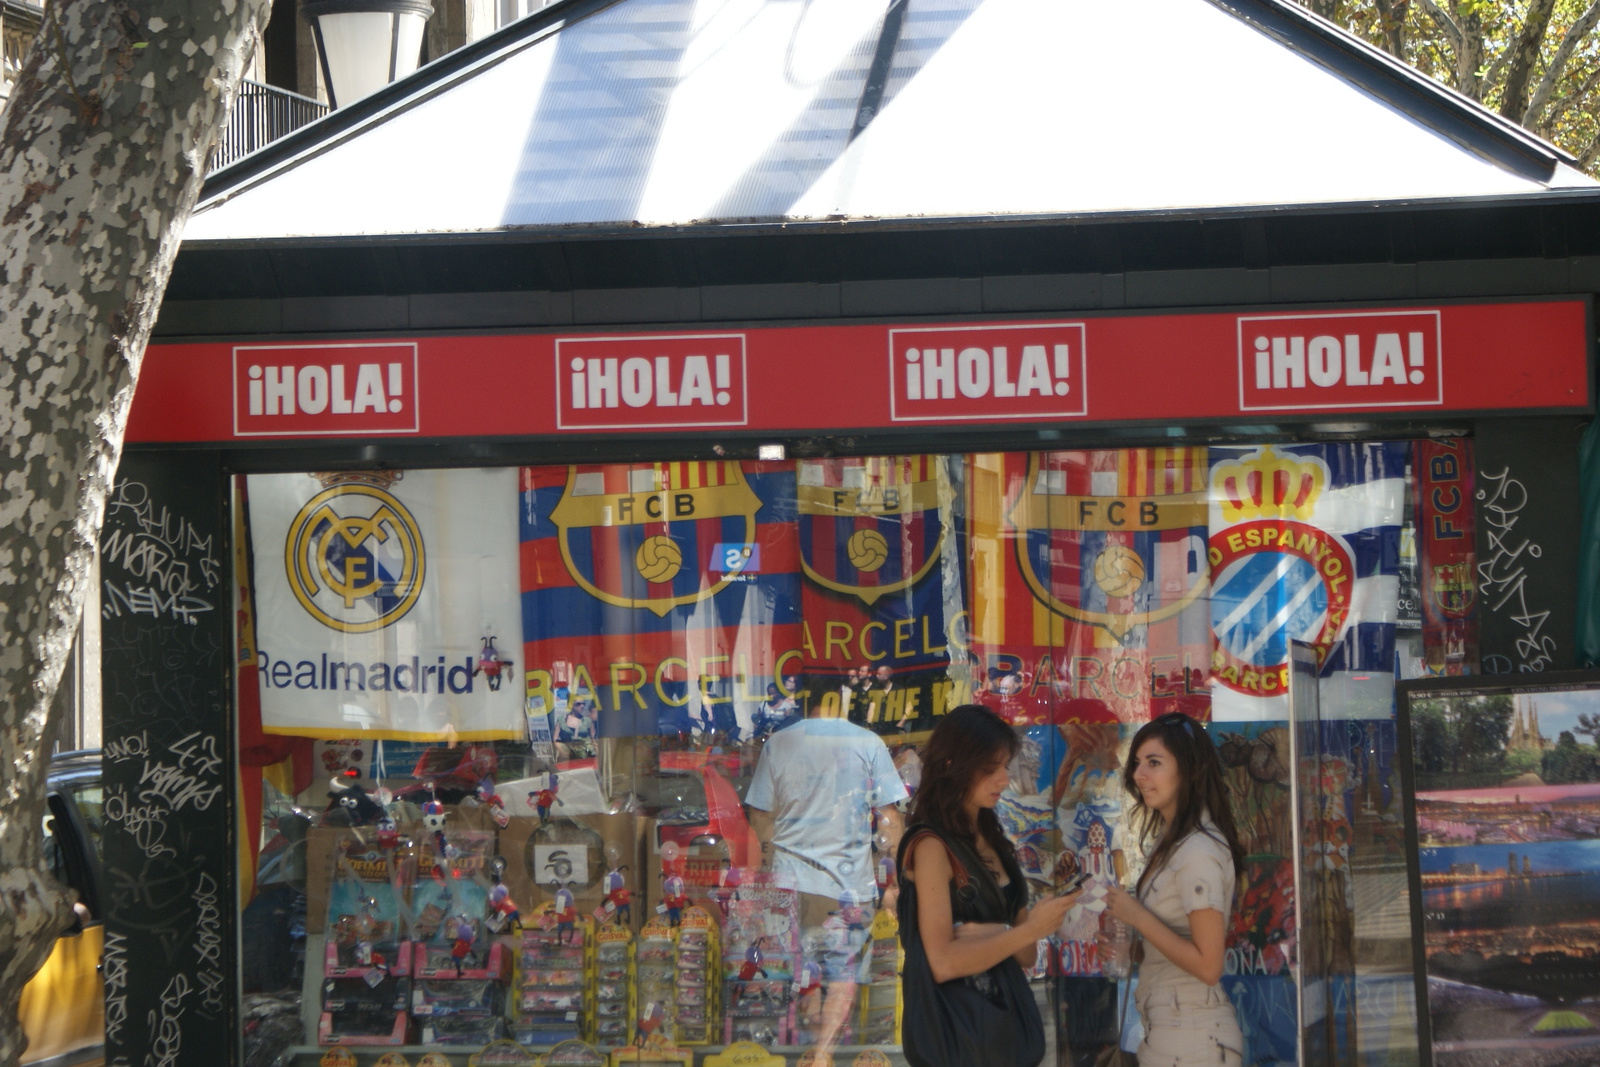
(1202, 791)
(965, 745)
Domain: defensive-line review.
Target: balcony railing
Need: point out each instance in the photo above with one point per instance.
(261, 115)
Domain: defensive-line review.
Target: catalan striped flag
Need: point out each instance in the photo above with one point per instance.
(1088, 578)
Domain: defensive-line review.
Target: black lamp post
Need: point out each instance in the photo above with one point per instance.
(365, 44)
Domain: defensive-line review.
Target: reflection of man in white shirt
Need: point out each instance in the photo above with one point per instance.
(812, 799)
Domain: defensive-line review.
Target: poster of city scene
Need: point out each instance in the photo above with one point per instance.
(1507, 818)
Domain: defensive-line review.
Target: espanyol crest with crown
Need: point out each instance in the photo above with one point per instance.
(1114, 539)
(1277, 576)
(643, 536)
(869, 526)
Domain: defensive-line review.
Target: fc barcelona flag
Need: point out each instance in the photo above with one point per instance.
(659, 597)
(1088, 583)
(878, 539)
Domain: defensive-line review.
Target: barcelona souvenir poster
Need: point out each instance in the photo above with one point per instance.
(880, 597)
(1447, 562)
(1305, 545)
(659, 598)
(376, 593)
(1088, 580)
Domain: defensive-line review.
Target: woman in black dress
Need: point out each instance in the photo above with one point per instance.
(964, 918)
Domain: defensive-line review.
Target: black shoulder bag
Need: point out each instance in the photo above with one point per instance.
(989, 1018)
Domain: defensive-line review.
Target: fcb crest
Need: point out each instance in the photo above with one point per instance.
(1275, 577)
(1453, 589)
(1114, 539)
(645, 536)
(869, 527)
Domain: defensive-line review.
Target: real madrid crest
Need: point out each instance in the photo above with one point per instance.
(354, 553)
(642, 537)
(1119, 554)
(1275, 576)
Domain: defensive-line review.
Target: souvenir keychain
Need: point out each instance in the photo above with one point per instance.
(566, 914)
(545, 799)
(618, 901)
(465, 933)
(505, 915)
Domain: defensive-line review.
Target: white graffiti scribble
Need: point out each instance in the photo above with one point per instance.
(208, 922)
(175, 534)
(145, 823)
(166, 1036)
(130, 599)
(134, 746)
(1503, 576)
(210, 989)
(115, 964)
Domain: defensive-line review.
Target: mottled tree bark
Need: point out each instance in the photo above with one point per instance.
(102, 150)
(1524, 54)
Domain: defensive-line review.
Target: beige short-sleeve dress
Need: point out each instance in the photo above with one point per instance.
(1186, 1022)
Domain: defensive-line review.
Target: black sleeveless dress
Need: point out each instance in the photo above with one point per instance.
(989, 1018)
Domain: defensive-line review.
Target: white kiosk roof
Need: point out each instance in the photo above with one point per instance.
(660, 113)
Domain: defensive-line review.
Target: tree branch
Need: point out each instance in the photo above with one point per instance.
(1442, 18)
(1524, 53)
(1558, 64)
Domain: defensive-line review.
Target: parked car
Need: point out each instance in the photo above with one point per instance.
(63, 1007)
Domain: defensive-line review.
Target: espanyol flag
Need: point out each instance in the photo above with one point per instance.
(1304, 545)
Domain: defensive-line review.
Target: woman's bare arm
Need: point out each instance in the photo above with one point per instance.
(950, 956)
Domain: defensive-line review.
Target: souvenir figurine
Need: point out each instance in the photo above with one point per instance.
(727, 890)
(753, 959)
(388, 833)
(491, 665)
(650, 1020)
(465, 932)
(566, 909)
(676, 897)
(545, 799)
(433, 817)
(360, 807)
(506, 914)
(618, 895)
(496, 806)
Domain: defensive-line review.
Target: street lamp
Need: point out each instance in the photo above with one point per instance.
(365, 44)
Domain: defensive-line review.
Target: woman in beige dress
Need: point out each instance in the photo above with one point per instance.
(1184, 899)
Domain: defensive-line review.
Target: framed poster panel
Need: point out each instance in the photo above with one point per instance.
(1506, 827)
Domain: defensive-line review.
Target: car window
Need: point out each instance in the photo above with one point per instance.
(90, 799)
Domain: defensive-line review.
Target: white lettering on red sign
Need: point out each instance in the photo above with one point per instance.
(299, 390)
(987, 372)
(1305, 362)
(644, 383)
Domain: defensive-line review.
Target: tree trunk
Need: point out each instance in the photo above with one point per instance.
(1469, 53)
(102, 152)
(1524, 54)
(1392, 18)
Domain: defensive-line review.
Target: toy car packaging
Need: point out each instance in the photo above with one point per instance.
(880, 996)
(478, 998)
(652, 1055)
(357, 1011)
(761, 973)
(366, 936)
(572, 1054)
(468, 1030)
(696, 977)
(614, 985)
(451, 912)
(550, 997)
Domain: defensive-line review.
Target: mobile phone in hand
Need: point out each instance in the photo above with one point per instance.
(1074, 885)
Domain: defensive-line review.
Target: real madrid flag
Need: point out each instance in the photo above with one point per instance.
(1304, 545)
(659, 597)
(1088, 583)
(375, 592)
